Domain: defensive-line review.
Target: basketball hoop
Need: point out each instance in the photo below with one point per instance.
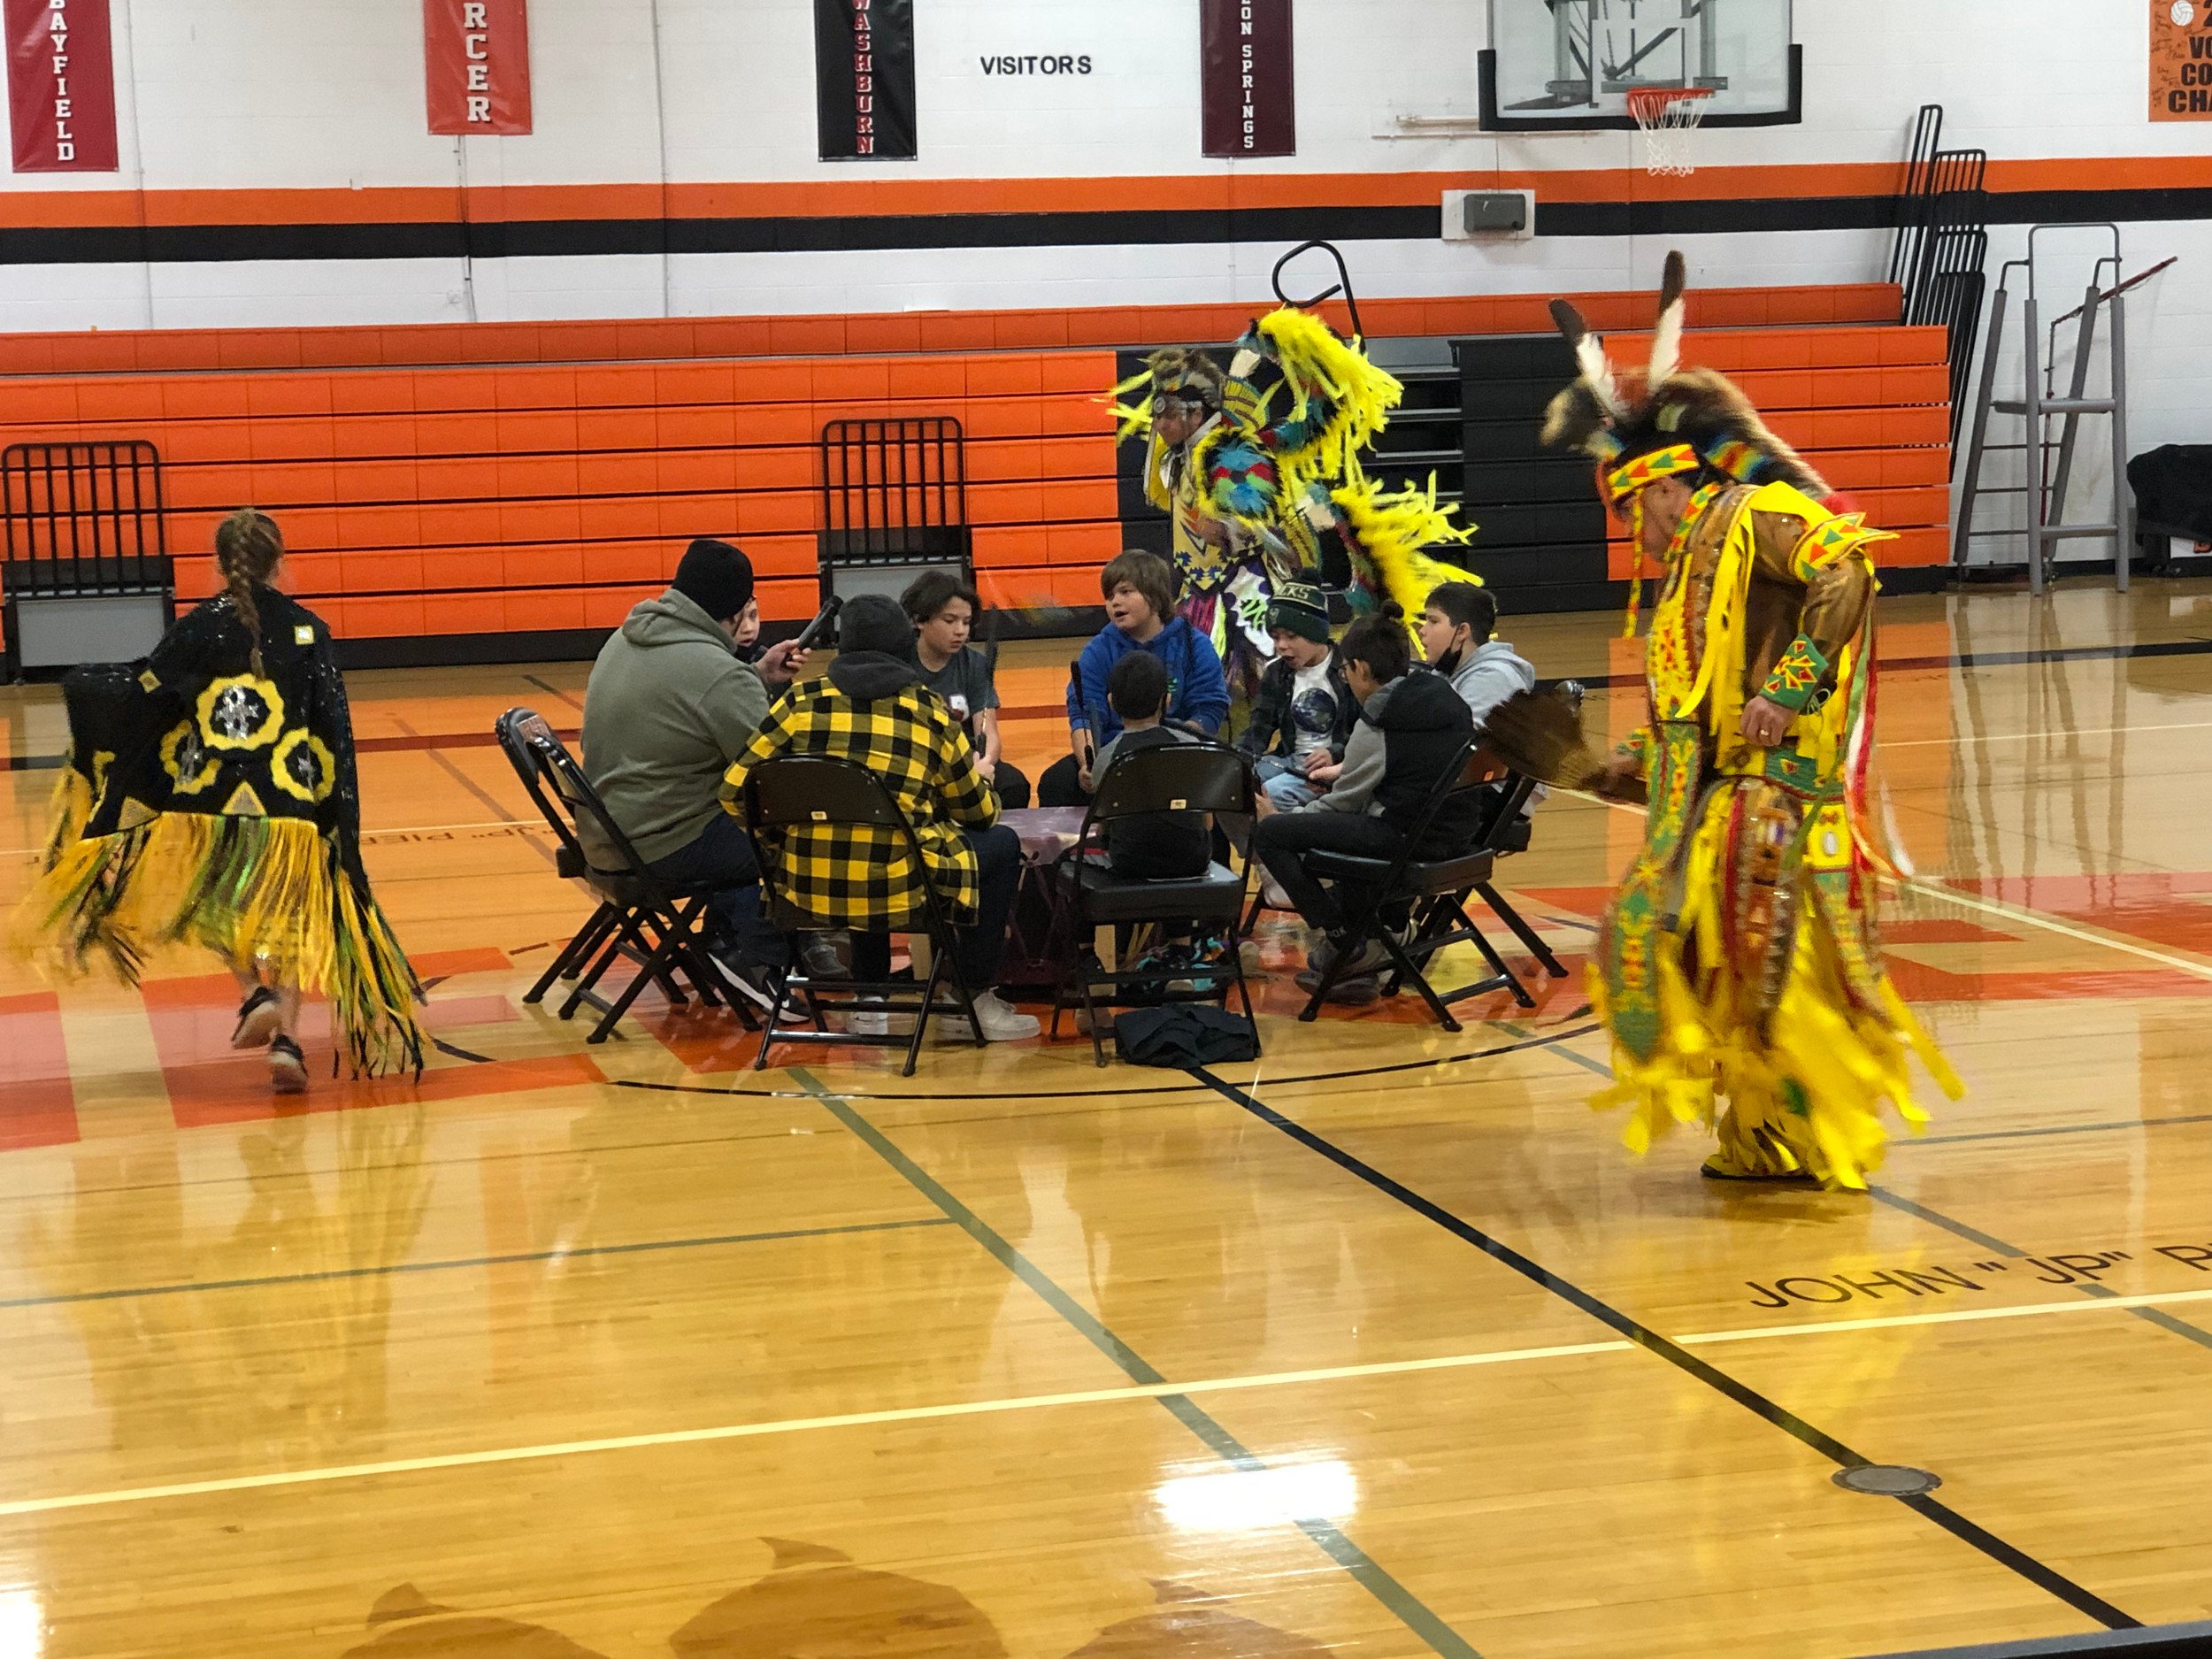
(1668, 116)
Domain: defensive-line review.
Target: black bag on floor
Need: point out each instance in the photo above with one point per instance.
(2173, 490)
(1184, 1034)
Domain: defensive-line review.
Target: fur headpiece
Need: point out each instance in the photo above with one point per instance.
(1668, 420)
(1184, 375)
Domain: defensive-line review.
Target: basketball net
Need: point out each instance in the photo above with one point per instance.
(1668, 116)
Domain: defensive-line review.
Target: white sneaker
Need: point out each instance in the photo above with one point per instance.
(1001, 1024)
(862, 1022)
(1272, 896)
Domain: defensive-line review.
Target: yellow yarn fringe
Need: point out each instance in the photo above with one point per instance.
(1313, 359)
(270, 891)
(69, 808)
(1393, 528)
(1806, 1093)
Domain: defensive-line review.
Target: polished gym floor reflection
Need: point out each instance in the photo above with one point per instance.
(1381, 1346)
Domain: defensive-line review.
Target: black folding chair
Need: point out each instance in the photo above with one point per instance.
(815, 792)
(1173, 778)
(641, 919)
(1436, 889)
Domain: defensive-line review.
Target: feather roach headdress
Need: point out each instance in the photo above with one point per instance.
(1668, 420)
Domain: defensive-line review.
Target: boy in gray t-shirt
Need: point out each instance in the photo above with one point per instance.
(943, 609)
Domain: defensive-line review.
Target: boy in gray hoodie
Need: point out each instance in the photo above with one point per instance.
(1456, 632)
(669, 704)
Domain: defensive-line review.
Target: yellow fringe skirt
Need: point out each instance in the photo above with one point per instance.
(272, 891)
(1793, 1091)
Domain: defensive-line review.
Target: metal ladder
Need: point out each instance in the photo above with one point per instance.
(2047, 526)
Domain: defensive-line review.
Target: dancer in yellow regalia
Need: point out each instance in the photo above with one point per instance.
(1259, 472)
(1738, 969)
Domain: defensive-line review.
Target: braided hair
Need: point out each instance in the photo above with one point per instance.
(248, 548)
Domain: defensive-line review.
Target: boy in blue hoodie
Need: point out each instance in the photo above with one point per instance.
(1139, 593)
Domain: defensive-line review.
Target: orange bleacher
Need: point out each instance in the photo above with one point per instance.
(463, 479)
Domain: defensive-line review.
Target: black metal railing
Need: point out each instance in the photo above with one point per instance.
(1942, 253)
(82, 520)
(894, 491)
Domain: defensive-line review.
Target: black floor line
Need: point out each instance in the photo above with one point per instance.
(479, 791)
(2044, 1577)
(2110, 1126)
(396, 1270)
(1977, 659)
(1164, 1087)
(2158, 1317)
(1369, 1574)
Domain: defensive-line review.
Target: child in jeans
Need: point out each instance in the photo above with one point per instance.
(1305, 709)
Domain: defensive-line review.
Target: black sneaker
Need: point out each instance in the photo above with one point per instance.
(287, 1067)
(1354, 990)
(746, 979)
(258, 1017)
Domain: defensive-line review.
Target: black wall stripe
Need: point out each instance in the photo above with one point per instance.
(185, 244)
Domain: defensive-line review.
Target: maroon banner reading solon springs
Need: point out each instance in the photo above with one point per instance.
(61, 86)
(476, 56)
(1251, 106)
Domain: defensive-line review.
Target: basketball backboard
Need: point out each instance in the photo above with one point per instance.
(1569, 65)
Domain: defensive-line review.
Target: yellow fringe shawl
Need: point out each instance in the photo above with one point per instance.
(267, 890)
(1393, 528)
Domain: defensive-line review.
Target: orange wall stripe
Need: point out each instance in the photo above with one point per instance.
(899, 197)
(939, 333)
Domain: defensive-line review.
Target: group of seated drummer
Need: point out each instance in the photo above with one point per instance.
(1348, 739)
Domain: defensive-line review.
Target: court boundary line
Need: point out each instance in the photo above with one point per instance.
(1479, 1359)
(1330, 1538)
(2100, 1296)
(2103, 1125)
(644, 1247)
(1525, 1043)
(2044, 1577)
(439, 758)
(1946, 892)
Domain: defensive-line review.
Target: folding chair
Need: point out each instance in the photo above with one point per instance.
(640, 919)
(1437, 888)
(1174, 778)
(818, 791)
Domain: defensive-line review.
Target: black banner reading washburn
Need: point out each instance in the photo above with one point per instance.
(863, 79)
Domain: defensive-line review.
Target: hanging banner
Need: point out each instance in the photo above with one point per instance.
(61, 86)
(863, 79)
(1251, 105)
(2181, 60)
(476, 54)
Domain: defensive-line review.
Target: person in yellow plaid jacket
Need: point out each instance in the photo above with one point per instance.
(872, 708)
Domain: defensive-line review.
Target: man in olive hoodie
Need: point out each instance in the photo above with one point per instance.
(669, 706)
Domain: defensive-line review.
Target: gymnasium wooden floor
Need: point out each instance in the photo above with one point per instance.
(1381, 1346)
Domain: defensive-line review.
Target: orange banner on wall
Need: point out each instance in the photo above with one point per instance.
(476, 56)
(2181, 60)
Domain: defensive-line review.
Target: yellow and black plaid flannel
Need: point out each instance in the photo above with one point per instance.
(862, 876)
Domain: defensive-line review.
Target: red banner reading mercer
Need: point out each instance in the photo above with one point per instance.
(477, 54)
(61, 86)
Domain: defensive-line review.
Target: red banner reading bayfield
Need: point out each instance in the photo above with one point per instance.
(61, 86)
(477, 53)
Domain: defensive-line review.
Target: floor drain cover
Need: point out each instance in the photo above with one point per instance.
(1887, 1480)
